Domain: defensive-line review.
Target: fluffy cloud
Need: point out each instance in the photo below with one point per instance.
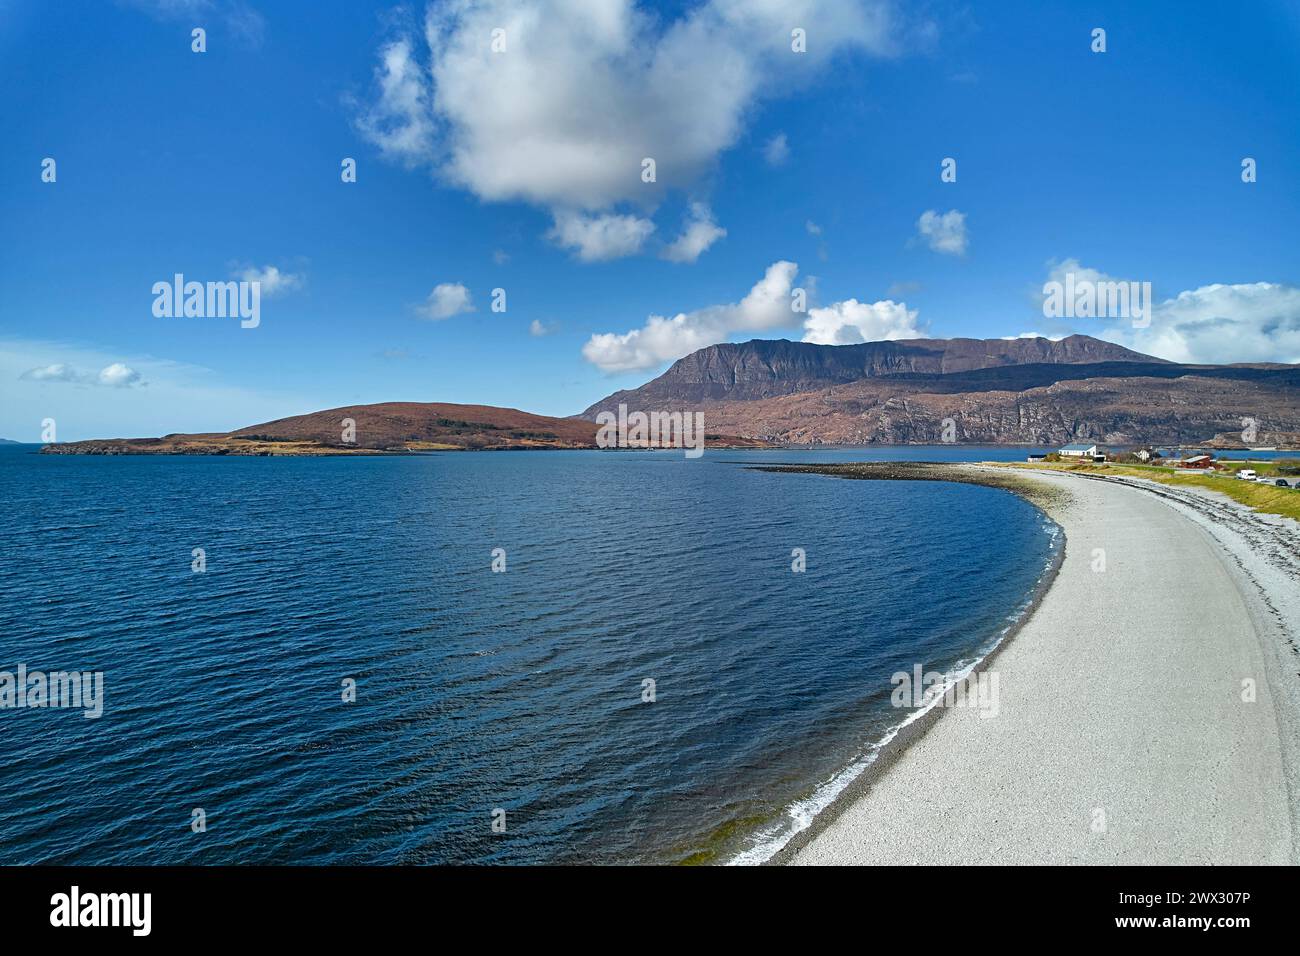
(118, 375)
(700, 233)
(401, 121)
(446, 299)
(273, 281)
(944, 232)
(1251, 322)
(1210, 325)
(115, 375)
(58, 372)
(777, 150)
(584, 91)
(661, 339)
(769, 305)
(850, 322)
(601, 237)
(1081, 273)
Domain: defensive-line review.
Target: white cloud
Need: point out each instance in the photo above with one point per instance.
(179, 397)
(850, 322)
(273, 281)
(58, 372)
(601, 237)
(777, 150)
(538, 329)
(115, 375)
(1220, 324)
(767, 306)
(118, 375)
(663, 339)
(1081, 273)
(700, 233)
(500, 256)
(446, 299)
(585, 90)
(1211, 325)
(944, 232)
(401, 121)
(813, 228)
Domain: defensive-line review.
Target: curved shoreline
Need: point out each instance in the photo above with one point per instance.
(902, 736)
(1150, 711)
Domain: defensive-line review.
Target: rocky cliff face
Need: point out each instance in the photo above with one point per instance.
(763, 369)
(1031, 391)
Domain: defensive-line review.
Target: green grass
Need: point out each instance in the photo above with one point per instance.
(1268, 499)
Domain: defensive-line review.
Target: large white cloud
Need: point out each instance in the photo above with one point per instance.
(663, 338)
(584, 90)
(1218, 324)
(850, 322)
(769, 305)
(1212, 325)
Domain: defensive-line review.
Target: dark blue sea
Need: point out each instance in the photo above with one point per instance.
(476, 691)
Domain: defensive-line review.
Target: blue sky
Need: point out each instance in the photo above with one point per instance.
(521, 170)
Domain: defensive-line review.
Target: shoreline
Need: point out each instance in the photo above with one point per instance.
(919, 722)
(877, 816)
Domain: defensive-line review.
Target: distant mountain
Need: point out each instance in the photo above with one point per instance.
(6, 441)
(999, 391)
(763, 369)
(388, 427)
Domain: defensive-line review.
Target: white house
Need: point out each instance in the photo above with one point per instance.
(1078, 450)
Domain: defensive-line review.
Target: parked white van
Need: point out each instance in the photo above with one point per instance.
(1247, 474)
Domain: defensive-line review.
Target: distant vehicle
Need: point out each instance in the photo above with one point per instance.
(1282, 483)
(1247, 474)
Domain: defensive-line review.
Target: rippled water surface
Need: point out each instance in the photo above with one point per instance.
(475, 690)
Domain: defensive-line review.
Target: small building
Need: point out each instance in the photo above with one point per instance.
(1078, 450)
(1144, 454)
(1197, 461)
(1036, 459)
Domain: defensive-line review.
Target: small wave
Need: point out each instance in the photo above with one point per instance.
(798, 816)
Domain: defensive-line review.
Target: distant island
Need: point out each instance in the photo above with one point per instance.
(384, 428)
(6, 441)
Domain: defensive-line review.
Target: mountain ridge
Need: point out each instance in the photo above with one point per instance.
(999, 391)
(380, 428)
